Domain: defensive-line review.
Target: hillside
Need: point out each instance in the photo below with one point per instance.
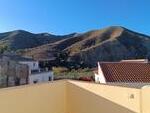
(20, 39)
(110, 44)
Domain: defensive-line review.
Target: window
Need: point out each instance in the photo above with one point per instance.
(17, 81)
(34, 64)
(35, 81)
(50, 78)
(8, 63)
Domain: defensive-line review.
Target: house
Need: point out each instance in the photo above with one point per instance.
(134, 71)
(17, 70)
(12, 73)
(36, 74)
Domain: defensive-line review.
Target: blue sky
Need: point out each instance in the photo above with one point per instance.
(67, 16)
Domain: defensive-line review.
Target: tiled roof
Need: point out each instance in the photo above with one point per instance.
(126, 72)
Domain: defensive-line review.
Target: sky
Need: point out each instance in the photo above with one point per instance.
(66, 16)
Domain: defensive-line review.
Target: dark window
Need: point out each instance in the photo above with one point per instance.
(50, 78)
(34, 64)
(35, 81)
(8, 63)
(17, 81)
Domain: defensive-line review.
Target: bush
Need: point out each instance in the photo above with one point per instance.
(65, 73)
(59, 70)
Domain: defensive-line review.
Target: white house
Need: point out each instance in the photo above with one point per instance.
(37, 75)
(99, 76)
(126, 71)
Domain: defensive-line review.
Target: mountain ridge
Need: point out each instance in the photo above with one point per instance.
(21, 39)
(113, 43)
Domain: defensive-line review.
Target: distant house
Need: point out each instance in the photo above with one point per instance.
(130, 71)
(36, 74)
(17, 70)
(11, 72)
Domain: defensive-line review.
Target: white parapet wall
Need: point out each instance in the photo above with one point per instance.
(40, 77)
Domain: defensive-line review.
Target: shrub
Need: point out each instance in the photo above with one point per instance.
(59, 70)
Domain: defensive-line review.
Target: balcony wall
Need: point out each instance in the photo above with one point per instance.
(145, 100)
(67, 96)
(95, 98)
(40, 98)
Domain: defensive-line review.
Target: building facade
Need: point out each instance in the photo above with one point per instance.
(36, 74)
(17, 70)
(12, 73)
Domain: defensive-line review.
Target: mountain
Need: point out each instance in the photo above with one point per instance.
(114, 43)
(20, 39)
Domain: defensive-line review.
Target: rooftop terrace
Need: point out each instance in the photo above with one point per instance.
(67, 96)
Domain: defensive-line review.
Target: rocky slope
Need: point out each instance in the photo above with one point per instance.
(19, 39)
(110, 44)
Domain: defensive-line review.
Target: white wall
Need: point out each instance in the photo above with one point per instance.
(33, 65)
(40, 77)
(99, 77)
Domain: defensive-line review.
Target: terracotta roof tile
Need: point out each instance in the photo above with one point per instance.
(126, 72)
